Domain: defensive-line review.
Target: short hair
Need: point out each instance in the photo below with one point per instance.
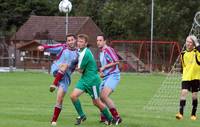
(103, 35)
(84, 36)
(71, 35)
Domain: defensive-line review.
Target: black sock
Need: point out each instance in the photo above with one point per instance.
(194, 108)
(182, 105)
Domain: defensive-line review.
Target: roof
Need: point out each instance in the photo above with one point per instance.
(53, 25)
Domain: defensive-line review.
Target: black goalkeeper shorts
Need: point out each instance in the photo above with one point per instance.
(192, 86)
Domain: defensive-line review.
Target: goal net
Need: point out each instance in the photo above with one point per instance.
(166, 98)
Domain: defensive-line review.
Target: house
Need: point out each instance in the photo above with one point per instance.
(55, 27)
(47, 29)
(31, 58)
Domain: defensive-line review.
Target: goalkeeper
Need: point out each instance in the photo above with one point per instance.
(190, 59)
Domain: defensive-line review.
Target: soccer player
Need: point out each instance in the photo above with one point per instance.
(191, 75)
(89, 81)
(110, 73)
(62, 68)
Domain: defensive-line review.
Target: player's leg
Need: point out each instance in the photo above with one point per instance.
(102, 117)
(58, 106)
(58, 76)
(74, 97)
(195, 89)
(98, 103)
(109, 86)
(185, 86)
(182, 103)
(105, 93)
(94, 93)
(194, 105)
(106, 100)
(62, 89)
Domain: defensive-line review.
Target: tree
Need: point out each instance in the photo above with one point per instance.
(15, 12)
(126, 19)
(173, 19)
(118, 19)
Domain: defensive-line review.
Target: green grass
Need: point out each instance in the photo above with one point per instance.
(25, 101)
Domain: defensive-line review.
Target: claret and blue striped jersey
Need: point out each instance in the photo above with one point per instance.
(64, 55)
(108, 55)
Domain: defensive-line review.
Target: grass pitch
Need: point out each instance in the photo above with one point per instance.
(25, 101)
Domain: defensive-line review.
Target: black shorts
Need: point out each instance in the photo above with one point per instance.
(192, 85)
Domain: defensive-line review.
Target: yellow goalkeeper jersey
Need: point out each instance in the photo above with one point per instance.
(191, 65)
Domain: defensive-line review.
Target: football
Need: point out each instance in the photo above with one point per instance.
(65, 6)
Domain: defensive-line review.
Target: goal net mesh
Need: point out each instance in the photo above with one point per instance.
(166, 98)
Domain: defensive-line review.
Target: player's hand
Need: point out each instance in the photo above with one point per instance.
(101, 69)
(40, 48)
(79, 70)
(101, 74)
(196, 43)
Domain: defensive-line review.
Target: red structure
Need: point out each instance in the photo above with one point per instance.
(136, 54)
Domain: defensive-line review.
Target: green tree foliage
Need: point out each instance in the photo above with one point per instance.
(173, 19)
(118, 19)
(131, 19)
(126, 19)
(15, 12)
(91, 8)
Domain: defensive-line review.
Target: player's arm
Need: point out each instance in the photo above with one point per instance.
(108, 66)
(197, 56)
(182, 61)
(82, 62)
(197, 47)
(51, 48)
(111, 58)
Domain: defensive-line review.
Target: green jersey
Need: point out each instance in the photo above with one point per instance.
(90, 80)
(87, 63)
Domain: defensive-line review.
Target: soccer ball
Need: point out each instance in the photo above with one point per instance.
(65, 6)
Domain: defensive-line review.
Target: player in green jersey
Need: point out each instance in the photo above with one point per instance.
(89, 81)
